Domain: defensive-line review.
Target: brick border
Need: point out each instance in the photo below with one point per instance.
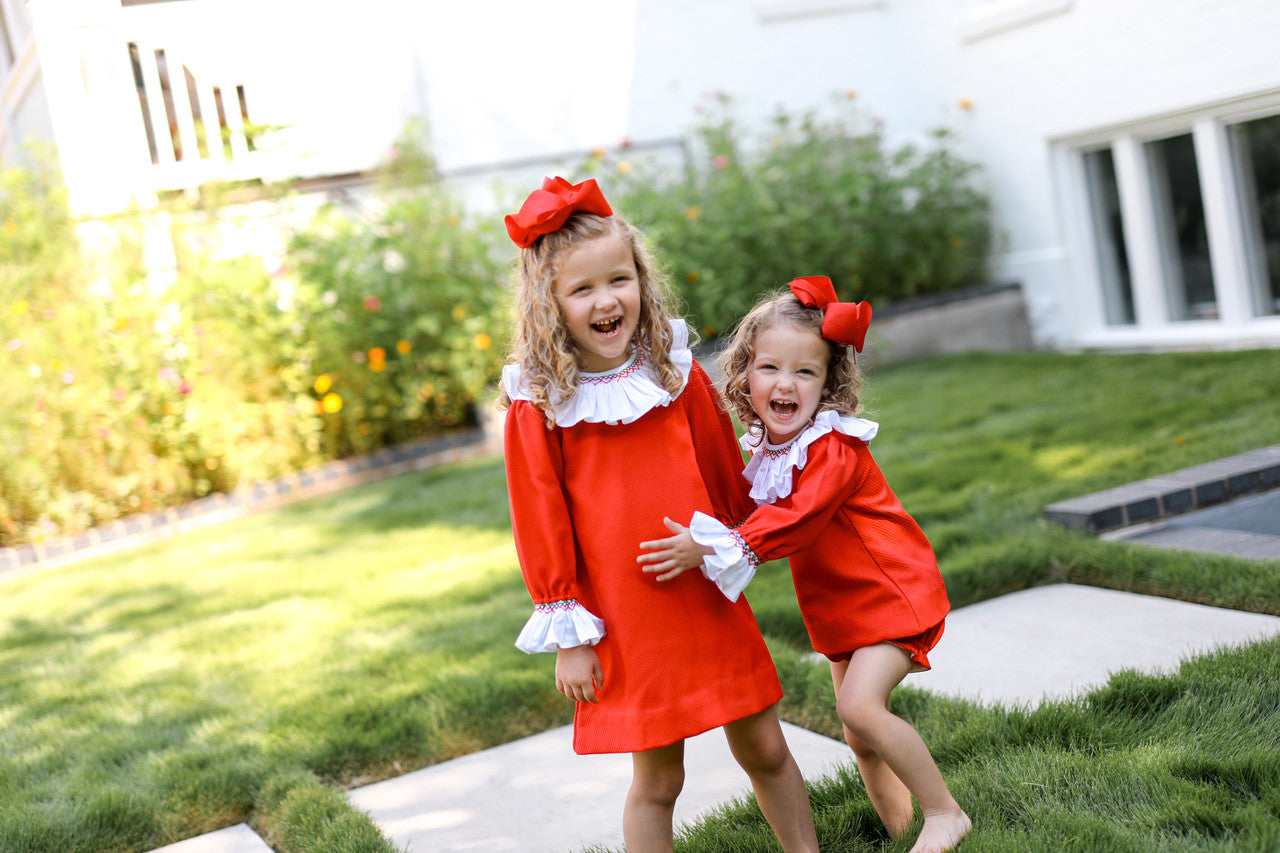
(334, 476)
(1171, 494)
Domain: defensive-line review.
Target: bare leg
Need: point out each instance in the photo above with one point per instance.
(862, 701)
(758, 745)
(656, 779)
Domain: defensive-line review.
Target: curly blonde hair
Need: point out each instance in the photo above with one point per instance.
(541, 344)
(844, 377)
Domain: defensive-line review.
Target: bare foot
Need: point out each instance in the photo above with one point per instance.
(942, 831)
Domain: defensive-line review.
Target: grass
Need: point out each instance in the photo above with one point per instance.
(251, 670)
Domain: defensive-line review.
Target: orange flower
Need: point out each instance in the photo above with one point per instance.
(403, 346)
(377, 354)
(483, 341)
(692, 212)
(966, 104)
(624, 167)
(693, 277)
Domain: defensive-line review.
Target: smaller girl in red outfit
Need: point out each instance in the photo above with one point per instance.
(866, 578)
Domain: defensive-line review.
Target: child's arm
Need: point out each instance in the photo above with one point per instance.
(544, 536)
(835, 471)
(674, 555)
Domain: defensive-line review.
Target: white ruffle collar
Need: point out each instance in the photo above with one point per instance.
(619, 396)
(769, 470)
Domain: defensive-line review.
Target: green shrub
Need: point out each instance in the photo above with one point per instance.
(405, 310)
(126, 395)
(817, 196)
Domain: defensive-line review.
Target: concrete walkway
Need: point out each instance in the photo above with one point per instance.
(535, 795)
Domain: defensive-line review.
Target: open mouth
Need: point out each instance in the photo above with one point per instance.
(608, 327)
(783, 408)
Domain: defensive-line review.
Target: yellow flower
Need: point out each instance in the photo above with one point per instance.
(332, 403)
(693, 277)
(403, 346)
(20, 307)
(692, 212)
(377, 365)
(459, 312)
(483, 341)
(624, 166)
(323, 383)
(966, 104)
(452, 221)
(850, 94)
(10, 228)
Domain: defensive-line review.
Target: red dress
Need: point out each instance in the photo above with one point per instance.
(864, 572)
(678, 657)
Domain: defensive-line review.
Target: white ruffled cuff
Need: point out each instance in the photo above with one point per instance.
(733, 565)
(559, 625)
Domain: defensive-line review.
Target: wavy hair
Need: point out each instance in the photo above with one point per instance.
(844, 377)
(541, 344)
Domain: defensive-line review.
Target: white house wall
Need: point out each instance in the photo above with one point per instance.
(1034, 73)
(514, 88)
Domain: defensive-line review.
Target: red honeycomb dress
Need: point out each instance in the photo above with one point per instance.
(863, 570)
(678, 657)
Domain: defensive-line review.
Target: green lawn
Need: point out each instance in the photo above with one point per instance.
(251, 670)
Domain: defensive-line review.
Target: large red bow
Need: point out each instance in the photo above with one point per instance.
(547, 209)
(842, 322)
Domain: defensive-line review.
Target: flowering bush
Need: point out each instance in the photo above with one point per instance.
(406, 313)
(815, 196)
(121, 396)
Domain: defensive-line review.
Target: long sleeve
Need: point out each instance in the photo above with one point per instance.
(716, 446)
(782, 528)
(544, 535)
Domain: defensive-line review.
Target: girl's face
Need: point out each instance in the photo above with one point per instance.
(785, 378)
(598, 291)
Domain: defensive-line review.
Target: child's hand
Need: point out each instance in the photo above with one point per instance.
(674, 555)
(578, 673)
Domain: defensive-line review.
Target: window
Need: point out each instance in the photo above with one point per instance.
(1108, 235)
(1256, 149)
(1179, 217)
(1183, 237)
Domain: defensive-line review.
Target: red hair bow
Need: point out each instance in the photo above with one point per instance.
(547, 209)
(842, 322)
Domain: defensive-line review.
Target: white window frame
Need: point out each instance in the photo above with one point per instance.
(1234, 279)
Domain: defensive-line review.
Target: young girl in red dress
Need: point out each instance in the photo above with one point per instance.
(866, 577)
(611, 426)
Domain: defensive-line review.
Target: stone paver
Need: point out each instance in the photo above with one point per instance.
(1170, 494)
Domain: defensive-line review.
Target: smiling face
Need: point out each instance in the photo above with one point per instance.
(785, 378)
(598, 291)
